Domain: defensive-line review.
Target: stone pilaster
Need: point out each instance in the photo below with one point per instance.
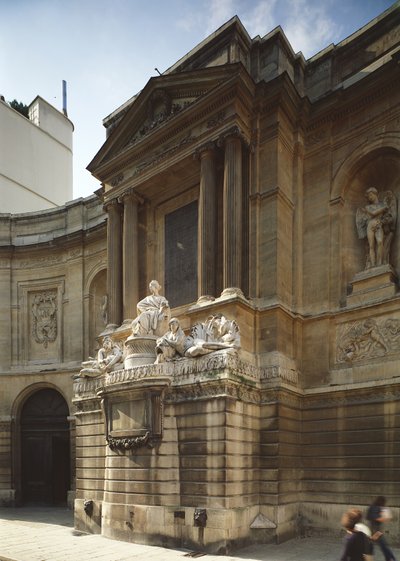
(232, 211)
(130, 251)
(207, 223)
(114, 263)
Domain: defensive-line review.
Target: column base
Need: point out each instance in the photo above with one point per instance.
(206, 299)
(232, 292)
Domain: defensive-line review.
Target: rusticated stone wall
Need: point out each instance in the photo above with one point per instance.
(209, 457)
(350, 453)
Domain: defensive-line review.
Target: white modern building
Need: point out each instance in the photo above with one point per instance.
(35, 158)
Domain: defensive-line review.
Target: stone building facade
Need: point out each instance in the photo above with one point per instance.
(261, 190)
(53, 282)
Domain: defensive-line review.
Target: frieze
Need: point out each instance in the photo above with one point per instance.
(115, 181)
(216, 120)
(87, 385)
(208, 390)
(154, 121)
(184, 368)
(73, 253)
(187, 139)
(44, 317)
(38, 262)
(368, 339)
(219, 363)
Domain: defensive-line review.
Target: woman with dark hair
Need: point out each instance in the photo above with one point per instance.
(356, 544)
(377, 514)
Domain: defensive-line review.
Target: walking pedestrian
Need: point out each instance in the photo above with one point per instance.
(357, 545)
(378, 514)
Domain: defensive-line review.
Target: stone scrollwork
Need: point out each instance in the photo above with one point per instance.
(44, 317)
(368, 339)
(376, 223)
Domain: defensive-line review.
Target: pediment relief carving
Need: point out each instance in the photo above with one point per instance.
(163, 100)
(160, 110)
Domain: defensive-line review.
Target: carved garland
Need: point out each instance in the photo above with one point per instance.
(129, 443)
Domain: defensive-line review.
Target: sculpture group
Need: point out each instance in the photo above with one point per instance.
(161, 338)
(153, 327)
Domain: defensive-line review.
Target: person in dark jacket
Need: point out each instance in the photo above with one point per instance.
(355, 543)
(378, 514)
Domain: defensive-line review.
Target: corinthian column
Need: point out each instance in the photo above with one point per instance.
(206, 268)
(114, 263)
(232, 212)
(130, 255)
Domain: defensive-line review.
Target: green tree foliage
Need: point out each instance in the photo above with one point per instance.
(20, 107)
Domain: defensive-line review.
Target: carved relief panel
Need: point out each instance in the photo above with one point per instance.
(361, 341)
(40, 320)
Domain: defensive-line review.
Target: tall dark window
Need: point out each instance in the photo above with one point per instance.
(181, 255)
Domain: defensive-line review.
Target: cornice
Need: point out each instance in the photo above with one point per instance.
(343, 102)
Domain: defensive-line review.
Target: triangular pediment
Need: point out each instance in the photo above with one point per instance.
(163, 99)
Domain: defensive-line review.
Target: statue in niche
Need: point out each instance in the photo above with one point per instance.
(376, 223)
(109, 358)
(153, 313)
(172, 343)
(213, 335)
(104, 309)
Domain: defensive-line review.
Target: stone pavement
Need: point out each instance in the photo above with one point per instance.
(47, 534)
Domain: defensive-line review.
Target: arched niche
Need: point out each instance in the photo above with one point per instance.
(379, 168)
(98, 305)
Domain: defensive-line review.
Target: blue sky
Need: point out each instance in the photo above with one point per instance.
(107, 50)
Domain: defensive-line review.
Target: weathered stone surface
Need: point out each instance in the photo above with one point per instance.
(240, 187)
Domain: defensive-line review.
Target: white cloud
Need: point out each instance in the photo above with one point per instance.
(308, 26)
(220, 12)
(208, 16)
(261, 18)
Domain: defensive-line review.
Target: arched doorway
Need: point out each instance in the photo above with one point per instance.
(45, 449)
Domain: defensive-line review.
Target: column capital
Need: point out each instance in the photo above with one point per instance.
(204, 150)
(234, 132)
(112, 205)
(130, 194)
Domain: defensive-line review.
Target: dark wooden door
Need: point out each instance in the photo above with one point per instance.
(45, 449)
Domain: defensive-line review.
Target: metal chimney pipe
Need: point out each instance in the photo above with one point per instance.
(64, 95)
